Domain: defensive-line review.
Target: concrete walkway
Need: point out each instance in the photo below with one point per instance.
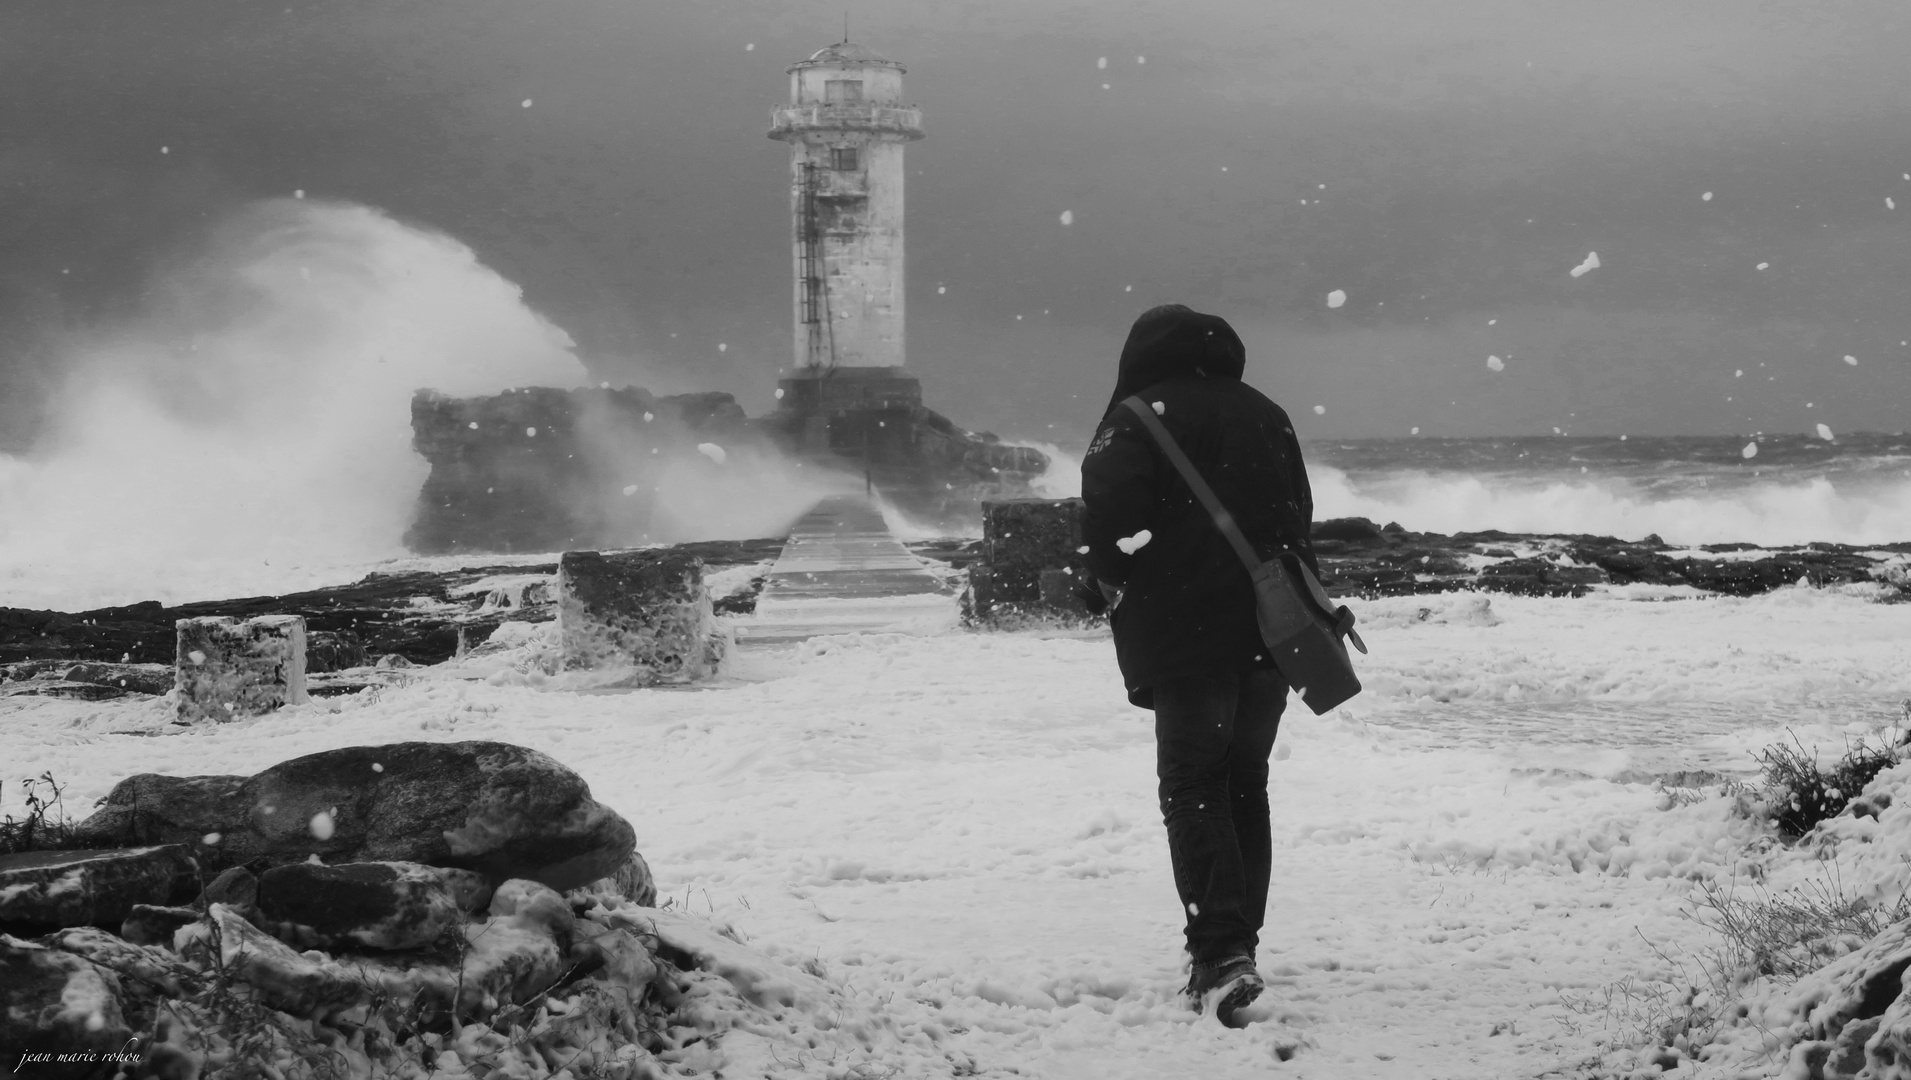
(843, 572)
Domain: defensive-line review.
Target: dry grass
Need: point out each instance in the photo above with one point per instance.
(45, 825)
(1803, 793)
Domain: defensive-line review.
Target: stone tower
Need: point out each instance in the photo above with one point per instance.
(846, 125)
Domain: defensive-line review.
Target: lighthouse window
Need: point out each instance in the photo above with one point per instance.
(843, 91)
(843, 159)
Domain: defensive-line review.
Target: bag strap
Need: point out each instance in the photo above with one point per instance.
(1222, 519)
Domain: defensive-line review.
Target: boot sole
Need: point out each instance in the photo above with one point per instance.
(1228, 1009)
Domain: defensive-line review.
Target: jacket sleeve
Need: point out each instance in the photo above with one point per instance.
(1118, 493)
(1303, 502)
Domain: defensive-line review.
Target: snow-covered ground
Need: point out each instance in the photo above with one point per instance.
(960, 829)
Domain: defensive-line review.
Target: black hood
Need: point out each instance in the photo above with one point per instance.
(1171, 342)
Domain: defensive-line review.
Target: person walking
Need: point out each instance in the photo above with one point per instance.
(1183, 613)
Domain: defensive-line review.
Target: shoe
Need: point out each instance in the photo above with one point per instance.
(1227, 987)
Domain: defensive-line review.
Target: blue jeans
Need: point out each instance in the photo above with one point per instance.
(1213, 735)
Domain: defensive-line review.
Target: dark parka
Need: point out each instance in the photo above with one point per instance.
(1187, 605)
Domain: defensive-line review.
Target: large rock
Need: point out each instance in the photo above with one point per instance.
(44, 890)
(379, 905)
(645, 612)
(543, 469)
(501, 810)
(53, 1003)
(229, 667)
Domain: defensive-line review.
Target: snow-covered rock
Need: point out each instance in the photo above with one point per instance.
(48, 889)
(632, 882)
(501, 810)
(379, 905)
(53, 1002)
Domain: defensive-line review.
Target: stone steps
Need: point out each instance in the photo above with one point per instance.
(843, 572)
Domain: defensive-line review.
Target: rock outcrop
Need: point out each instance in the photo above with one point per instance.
(497, 809)
(1361, 559)
(424, 616)
(541, 469)
(397, 963)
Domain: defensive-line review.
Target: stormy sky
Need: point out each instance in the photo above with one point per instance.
(1445, 165)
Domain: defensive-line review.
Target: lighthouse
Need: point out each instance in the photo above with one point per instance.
(846, 124)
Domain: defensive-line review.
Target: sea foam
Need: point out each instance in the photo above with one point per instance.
(1783, 510)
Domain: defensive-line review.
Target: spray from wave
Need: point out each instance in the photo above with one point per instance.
(1063, 479)
(1696, 490)
(1797, 510)
(250, 430)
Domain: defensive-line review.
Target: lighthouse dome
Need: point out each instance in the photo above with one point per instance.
(848, 52)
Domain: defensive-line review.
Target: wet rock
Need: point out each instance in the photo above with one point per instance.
(1398, 563)
(378, 905)
(1540, 577)
(503, 811)
(229, 668)
(154, 924)
(56, 1003)
(642, 611)
(47, 889)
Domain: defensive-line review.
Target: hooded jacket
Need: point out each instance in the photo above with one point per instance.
(1187, 604)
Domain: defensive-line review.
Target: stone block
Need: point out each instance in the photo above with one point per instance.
(1030, 547)
(44, 890)
(229, 667)
(1058, 592)
(1023, 537)
(642, 612)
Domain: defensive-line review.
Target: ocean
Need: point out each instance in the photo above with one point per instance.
(1793, 489)
(1686, 489)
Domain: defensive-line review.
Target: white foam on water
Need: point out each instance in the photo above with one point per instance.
(1775, 512)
